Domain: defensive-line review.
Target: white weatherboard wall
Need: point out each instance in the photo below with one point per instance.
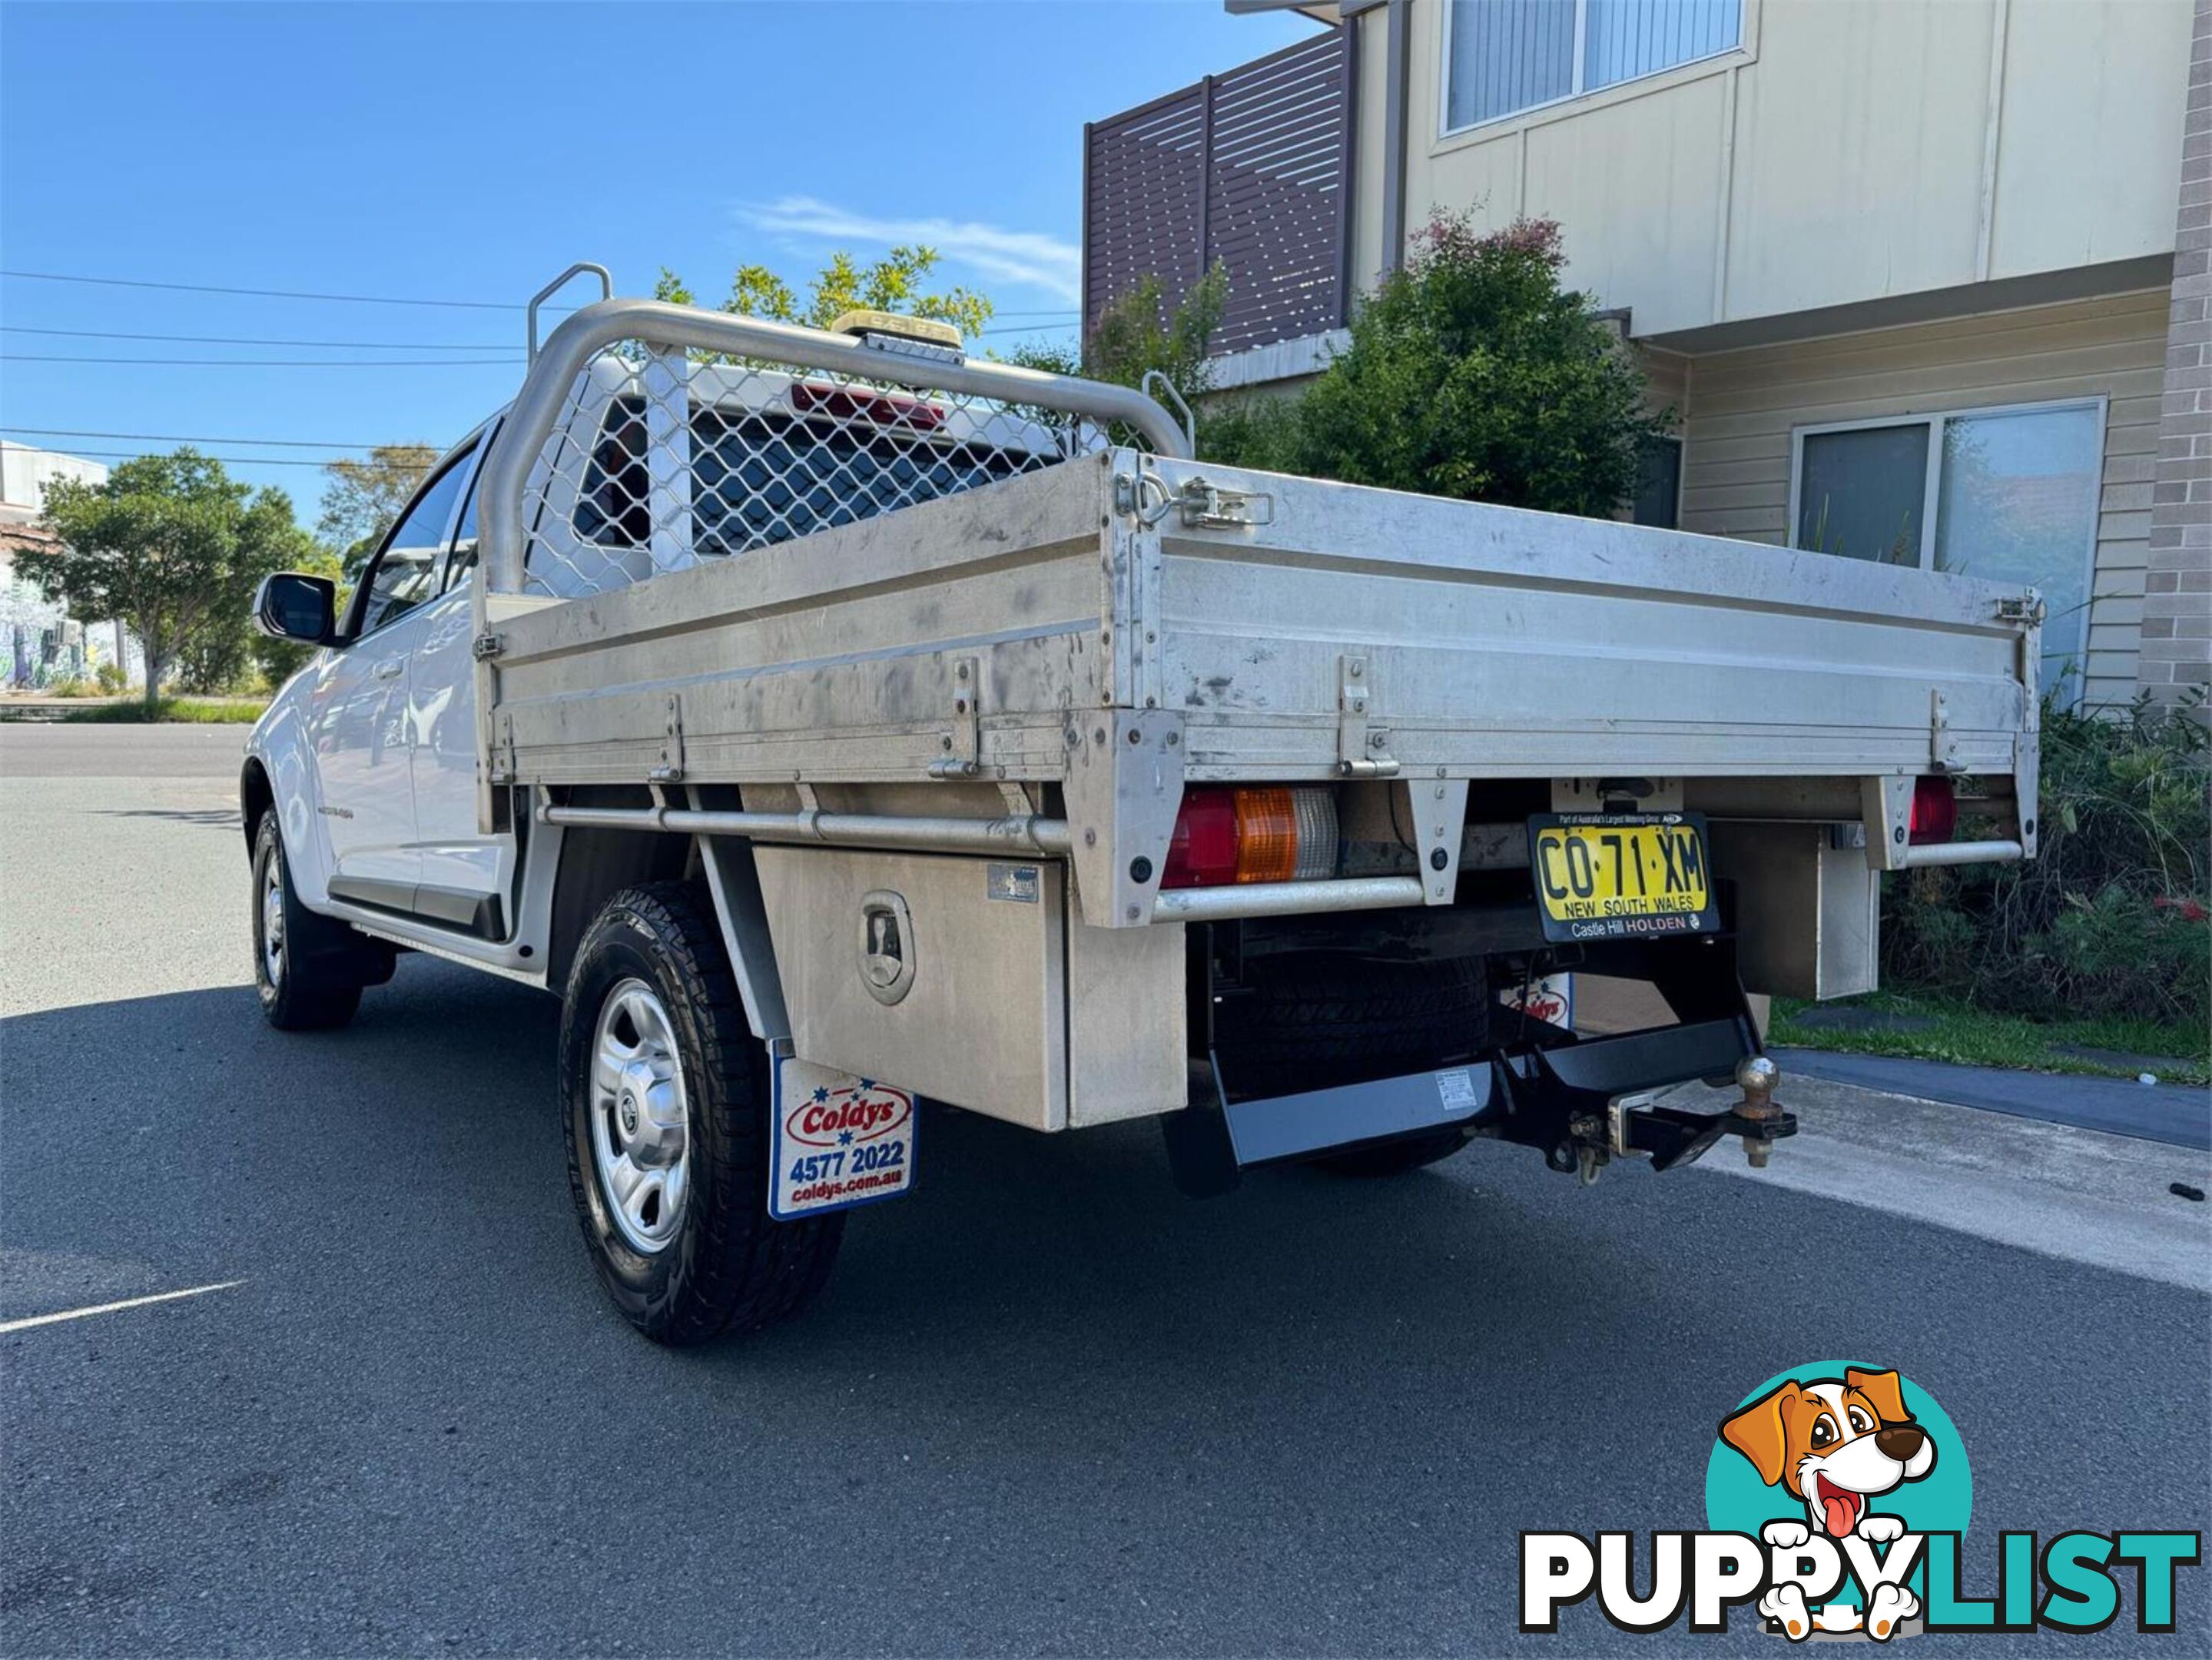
(1851, 150)
(1742, 406)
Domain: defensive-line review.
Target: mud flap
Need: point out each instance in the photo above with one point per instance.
(1213, 1140)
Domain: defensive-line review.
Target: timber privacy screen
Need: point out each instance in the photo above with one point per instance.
(1247, 168)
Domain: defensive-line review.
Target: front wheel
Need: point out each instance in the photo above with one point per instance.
(303, 964)
(665, 1097)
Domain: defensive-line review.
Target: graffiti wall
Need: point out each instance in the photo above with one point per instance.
(41, 646)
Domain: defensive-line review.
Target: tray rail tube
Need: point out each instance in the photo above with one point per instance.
(653, 323)
(667, 331)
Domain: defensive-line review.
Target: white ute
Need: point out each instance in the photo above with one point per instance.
(833, 720)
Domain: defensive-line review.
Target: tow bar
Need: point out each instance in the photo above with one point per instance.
(1582, 1102)
(1575, 1103)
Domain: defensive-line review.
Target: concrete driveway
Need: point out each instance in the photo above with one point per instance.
(1046, 1405)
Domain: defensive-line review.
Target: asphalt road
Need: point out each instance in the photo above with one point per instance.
(1047, 1405)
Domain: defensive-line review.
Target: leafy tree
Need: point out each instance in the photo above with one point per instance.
(172, 543)
(893, 284)
(1138, 333)
(362, 499)
(219, 660)
(1472, 373)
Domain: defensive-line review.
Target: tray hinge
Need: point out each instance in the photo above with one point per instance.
(963, 745)
(1942, 748)
(670, 769)
(503, 757)
(485, 647)
(1360, 752)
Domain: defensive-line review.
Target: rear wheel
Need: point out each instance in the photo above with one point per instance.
(1307, 1020)
(667, 1101)
(1395, 1158)
(309, 969)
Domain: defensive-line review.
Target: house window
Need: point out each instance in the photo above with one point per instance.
(2007, 494)
(1507, 56)
(1658, 498)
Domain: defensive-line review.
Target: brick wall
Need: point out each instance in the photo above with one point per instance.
(2177, 629)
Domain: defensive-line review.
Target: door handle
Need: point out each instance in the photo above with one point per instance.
(389, 668)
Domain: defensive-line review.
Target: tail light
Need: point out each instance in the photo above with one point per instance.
(1223, 835)
(1935, 810)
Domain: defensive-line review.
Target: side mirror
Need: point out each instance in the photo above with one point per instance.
(290, 604)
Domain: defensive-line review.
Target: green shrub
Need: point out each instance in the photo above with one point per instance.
(189, 711)
(111, 680)
(1471, 373)
(70, 685)
(220, 662)
(2110, 917)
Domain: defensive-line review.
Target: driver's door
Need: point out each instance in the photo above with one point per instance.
(358, 712)
(466, 874)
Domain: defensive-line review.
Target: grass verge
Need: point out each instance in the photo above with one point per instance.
(195, 711)
(1976, 1037)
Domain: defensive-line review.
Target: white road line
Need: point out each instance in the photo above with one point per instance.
(7, 1326)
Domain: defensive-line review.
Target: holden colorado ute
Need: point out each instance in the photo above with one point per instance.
(833, 720)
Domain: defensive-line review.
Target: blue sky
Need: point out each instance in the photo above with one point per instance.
(469, 152)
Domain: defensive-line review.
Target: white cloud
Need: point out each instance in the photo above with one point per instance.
(1011, 256)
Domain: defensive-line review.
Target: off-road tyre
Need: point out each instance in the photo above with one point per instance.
(321, 963)
(731, 1266)
(1308, 1020)
(1395, 1158)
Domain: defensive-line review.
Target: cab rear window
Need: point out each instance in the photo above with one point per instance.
(765, 476)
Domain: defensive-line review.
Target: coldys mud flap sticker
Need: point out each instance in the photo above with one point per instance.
(839, 1140)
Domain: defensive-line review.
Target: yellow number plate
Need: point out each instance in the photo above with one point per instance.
(1622, 876)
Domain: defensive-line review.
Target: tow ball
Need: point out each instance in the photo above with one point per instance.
(1756, 1076)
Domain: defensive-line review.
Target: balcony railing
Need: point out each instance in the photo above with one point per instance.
(1250, 168)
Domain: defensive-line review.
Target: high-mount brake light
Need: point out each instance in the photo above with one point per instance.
(1271, 834)
(854, 403)
(1935, 810)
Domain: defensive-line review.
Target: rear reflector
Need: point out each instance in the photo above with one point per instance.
(1935, 810)
(1223, 835)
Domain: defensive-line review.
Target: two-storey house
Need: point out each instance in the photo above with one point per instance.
(1922, 281)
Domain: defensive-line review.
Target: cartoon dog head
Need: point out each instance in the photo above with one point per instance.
(1833, 1444)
